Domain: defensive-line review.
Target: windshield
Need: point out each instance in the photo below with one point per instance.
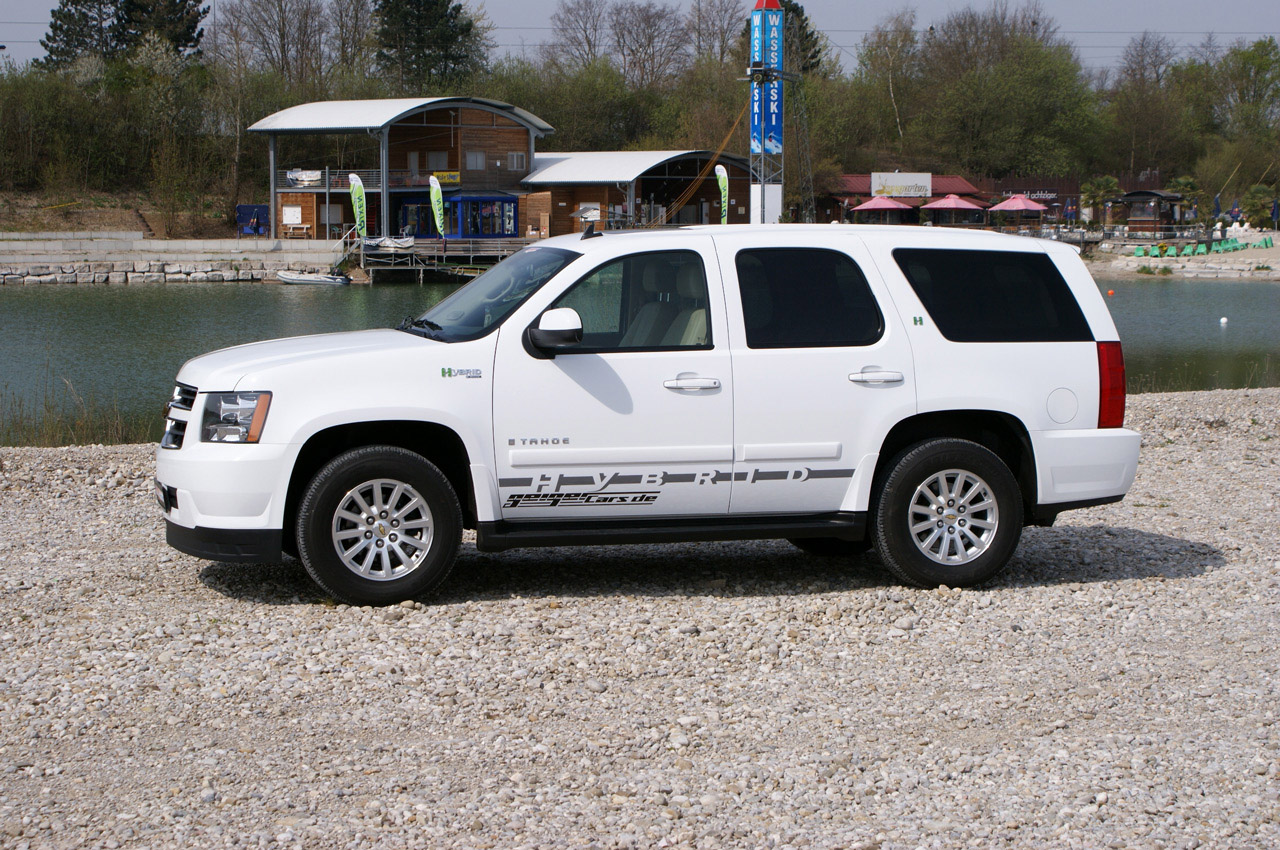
(483, 304)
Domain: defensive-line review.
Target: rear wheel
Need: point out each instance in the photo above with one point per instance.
(379, 525)
(949, 512)
(831, 547)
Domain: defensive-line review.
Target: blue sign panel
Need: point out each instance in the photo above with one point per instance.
(766, 100)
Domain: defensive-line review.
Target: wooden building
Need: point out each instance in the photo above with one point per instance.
(478, 149)
(494, 185)
(619, 189)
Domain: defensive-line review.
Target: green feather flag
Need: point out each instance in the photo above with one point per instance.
(357, 204)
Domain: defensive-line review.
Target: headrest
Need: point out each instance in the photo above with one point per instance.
(689, 282)
(658, 277)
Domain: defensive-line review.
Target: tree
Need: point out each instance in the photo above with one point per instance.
(175, 22)
(580, 34)
(1250, 86)
(79, 28)
(350, 26)
(429, 42)
(714, 26)
(1096, 192)
(283, 35)
(649, 41)
(887, 69)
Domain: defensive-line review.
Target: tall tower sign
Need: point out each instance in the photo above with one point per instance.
(766, 76)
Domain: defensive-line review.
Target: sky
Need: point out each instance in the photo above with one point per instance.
(1099, 28)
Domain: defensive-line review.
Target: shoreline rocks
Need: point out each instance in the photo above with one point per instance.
(1117, 687)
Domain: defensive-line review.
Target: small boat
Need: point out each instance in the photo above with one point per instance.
(313, 278)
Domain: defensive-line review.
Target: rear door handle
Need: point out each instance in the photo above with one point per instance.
(692, 384)
(876, 377)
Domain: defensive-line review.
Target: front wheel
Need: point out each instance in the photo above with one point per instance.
(949, 512)
(379, 525)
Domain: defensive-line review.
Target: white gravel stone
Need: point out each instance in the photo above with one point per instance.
(1117, 687)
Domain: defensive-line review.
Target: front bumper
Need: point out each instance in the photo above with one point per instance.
(230, 545)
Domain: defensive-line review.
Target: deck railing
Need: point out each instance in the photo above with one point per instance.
(370, 177)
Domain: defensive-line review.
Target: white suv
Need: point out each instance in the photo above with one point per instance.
(927, 391)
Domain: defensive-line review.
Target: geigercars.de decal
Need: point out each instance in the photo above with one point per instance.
(553, 490)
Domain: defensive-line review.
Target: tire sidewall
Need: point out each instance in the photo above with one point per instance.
(908, 471)
(327, 490)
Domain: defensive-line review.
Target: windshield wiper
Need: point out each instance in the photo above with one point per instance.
(421, 326)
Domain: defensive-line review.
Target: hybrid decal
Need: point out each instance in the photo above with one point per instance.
(446, 372)
(553, 490)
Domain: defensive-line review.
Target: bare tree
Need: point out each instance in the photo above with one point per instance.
(350, 25)
(887, 59)
(287, 36)
(649, 41)
(714, 27)
(579, 33)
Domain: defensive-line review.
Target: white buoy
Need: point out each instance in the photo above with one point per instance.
(1223, 320)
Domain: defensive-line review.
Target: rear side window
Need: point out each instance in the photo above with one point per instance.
(994, 296)
(805, 298)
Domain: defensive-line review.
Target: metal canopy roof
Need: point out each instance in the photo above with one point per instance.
(550, 169)
(357, 116)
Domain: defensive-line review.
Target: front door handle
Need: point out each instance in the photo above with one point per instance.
(692, 384)
(876, 377)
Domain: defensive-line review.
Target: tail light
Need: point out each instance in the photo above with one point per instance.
(1110, 385)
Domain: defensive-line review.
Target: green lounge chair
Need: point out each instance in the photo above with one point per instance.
(1139, 251)
(1187, 250)
(1201, 249)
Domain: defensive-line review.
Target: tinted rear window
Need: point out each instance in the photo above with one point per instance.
(805, 298)
(994, 296)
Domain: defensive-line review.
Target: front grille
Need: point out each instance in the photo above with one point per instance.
(175, 429)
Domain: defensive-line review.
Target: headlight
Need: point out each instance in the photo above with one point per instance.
(234, 417)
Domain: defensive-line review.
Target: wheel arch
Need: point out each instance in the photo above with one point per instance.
(1002, 433)
(438, 443)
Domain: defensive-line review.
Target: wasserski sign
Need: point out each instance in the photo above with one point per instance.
(766, 98)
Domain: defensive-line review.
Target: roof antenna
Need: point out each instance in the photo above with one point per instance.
(590, 231)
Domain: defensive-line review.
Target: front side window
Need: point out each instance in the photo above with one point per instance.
(805, 298)
(994, 296)
(655, 301)
(483, 304)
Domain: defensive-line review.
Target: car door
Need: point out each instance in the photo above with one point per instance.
(821, 370)
(637, 421)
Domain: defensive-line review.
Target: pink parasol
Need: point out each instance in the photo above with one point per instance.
(882, 203)
(1018, 203)
(951, 202)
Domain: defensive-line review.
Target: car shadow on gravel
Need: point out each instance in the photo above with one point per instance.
(1046, 556)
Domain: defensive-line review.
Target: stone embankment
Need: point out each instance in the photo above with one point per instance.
(1249, 264)
(1118, 687)
(128, 258)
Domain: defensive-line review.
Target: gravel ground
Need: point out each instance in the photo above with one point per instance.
(1115, 688)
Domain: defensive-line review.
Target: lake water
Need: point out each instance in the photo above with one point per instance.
(122, 345)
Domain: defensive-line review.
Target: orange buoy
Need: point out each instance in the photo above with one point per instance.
(1111, 292)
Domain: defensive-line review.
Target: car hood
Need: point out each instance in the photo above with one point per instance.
(226, 369)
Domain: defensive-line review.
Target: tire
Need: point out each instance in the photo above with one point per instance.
(980, 493)
(378, 525)
(831, 547)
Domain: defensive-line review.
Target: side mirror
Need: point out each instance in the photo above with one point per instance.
(556, 330)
